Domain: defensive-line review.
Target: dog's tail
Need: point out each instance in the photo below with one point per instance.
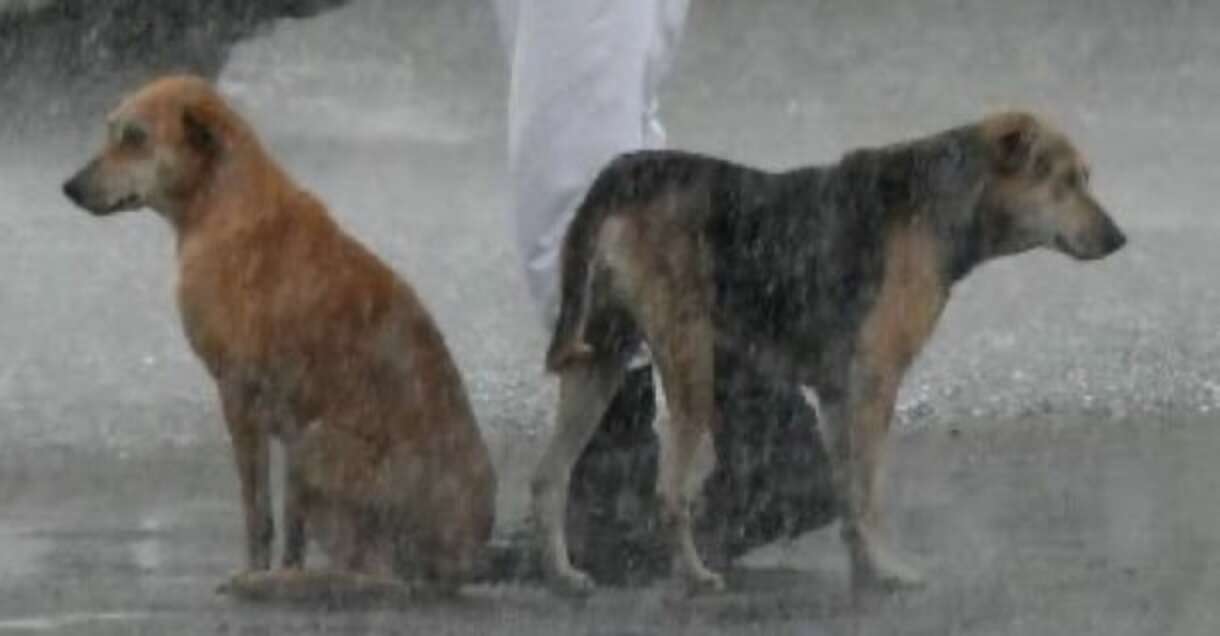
(578, 268)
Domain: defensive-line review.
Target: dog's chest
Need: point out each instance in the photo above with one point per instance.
(227, 308)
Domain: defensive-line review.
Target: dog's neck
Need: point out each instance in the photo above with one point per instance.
(943, 178)
(964, 248)
(235, 191)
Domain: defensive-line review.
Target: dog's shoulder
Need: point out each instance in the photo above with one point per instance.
(907, 173)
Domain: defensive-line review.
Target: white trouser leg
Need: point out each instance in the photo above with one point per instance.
(584, 85)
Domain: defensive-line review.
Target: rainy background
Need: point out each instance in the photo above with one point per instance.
(1053, 469)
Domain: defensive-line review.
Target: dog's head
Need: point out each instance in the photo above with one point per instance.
(160, 144)
(1037, 193)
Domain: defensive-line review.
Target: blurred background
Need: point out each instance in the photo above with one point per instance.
(1059, 404)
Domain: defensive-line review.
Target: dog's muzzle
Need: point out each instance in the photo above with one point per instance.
(1113, 239)
(1105, 239)
(74, 190)
(1109, 239)
(81, 190)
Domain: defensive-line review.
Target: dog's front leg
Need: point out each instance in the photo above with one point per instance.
(855, 425)
(294, 514)
(252, 454)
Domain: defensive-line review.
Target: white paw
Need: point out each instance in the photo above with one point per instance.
(704, 581)
(571, 582)
(883, 570)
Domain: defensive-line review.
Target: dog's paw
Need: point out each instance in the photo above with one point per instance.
(241, 582)
(571, 582)
(704, 581)
(885, 571)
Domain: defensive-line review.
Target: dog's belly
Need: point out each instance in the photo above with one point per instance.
(803, 350)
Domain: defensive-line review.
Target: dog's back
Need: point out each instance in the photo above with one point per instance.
(765, 234)
(796, 256)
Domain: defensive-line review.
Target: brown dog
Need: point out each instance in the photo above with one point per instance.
(311, 339)
(830, 278)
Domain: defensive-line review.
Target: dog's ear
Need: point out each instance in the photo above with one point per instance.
(199, 134)
(1012, 137)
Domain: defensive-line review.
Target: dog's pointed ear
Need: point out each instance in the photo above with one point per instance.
(1012, 137)
(200, 134)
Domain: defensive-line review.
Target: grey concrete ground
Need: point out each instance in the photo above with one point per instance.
(1054, 467)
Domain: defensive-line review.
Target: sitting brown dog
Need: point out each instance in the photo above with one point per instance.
(311, 339)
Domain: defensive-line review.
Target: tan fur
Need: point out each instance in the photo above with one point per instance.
(907, 308)
(311, 339)
(655, 225)
(910, 301)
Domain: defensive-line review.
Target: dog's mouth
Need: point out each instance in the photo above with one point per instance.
(129, 202)
(1061, 244)
(1100, 250)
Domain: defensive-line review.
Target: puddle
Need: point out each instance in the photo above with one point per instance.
(60, 621)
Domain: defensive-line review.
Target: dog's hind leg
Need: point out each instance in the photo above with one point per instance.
(683, 352)
(585, 391)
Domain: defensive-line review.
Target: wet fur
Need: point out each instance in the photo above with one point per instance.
(829, 277)
(312, 340)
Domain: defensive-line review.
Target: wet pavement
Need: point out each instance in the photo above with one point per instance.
(1039, 526)
(1054, 467)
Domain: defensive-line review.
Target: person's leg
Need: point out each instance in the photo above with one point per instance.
(584, 78)
(583, 89)
(772, 477)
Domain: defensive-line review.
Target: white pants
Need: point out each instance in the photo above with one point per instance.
(585, 75)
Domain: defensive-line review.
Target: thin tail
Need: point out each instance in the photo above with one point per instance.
(567, 343)
(627, 179)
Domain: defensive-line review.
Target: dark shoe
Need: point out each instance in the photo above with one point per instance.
(611, 507)
(772, 478)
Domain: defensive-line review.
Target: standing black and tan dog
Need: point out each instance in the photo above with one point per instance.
(312, 340)
(827, 277)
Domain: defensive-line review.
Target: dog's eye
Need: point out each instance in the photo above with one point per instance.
(1042, 168)
(132, 137)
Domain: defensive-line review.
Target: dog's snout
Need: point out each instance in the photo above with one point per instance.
(1115, 240)
(1098, 240)
(73, 189)
(1112, 238)
(77, 187)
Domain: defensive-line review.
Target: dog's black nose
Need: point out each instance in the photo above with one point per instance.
(1114, 239)
(72, 190)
